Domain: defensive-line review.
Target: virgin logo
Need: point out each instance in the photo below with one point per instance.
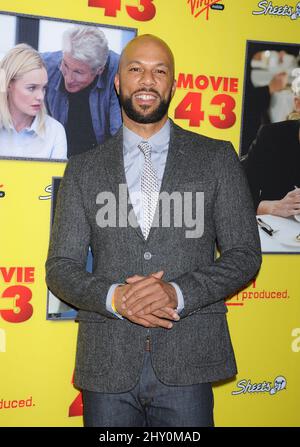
(203, 7)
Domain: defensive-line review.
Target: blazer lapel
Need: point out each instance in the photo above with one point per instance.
(176, 152)
(115, 171)
(114, 166)
(173, 171)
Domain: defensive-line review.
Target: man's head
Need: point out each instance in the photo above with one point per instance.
(145, 80)
(85, 53)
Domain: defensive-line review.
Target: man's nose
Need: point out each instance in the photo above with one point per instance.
(69, 76)
(147, 78)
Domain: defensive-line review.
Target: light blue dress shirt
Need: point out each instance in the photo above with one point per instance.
(31, 142)
(133, 165)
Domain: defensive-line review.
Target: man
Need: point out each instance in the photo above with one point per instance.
(272, 164)
(152, 326)
(80, 92)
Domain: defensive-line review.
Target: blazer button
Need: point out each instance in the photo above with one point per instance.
(147, 255)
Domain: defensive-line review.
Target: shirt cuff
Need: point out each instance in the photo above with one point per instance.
(109, 296)
(180, 298)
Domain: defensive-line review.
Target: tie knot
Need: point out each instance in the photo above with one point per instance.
(145, 147)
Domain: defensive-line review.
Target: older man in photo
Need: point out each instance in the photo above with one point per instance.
(80, 92)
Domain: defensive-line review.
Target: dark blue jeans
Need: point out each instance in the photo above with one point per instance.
(150, 404)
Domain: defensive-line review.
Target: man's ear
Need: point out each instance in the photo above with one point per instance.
(174, 87)
(117, 82)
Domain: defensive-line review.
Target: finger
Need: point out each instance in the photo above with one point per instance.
(294, 207)
(167, 312)
(156, 306)
(136, 290)
(145, 297)
(134, 293)
(134, 278)
(148, 304)
(158, 322)
(151, 321)
(158, 313)
(158, 275)
(295, 193)
(152, 298)
(140, 321)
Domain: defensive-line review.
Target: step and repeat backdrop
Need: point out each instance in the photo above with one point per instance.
(236, 67)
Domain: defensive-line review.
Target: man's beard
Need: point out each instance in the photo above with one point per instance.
(153, 117)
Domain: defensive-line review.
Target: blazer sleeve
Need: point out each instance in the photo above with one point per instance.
(66, 274)
(237, 240)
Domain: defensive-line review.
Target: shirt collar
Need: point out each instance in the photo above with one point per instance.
(158, 141)
(33, 128)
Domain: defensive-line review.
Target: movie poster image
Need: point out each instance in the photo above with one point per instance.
(57, 86)
(269, 145)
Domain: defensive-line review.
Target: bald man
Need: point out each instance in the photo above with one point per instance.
(152, 202)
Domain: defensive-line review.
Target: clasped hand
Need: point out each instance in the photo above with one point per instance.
(148, 301)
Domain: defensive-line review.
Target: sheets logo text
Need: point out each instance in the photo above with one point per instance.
(269, 8)
(246, 386)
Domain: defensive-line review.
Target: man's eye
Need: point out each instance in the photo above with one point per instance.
(134, 69)
(159, 71)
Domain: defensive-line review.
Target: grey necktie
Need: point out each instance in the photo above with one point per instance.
(149, 188)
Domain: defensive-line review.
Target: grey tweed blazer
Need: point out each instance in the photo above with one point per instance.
(198, 348)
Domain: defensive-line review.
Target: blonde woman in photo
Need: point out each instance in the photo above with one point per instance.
(26, 130)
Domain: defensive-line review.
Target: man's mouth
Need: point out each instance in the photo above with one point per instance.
(145, 98)
(70, 86)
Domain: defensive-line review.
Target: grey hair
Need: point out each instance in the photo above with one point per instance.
(88, 44)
